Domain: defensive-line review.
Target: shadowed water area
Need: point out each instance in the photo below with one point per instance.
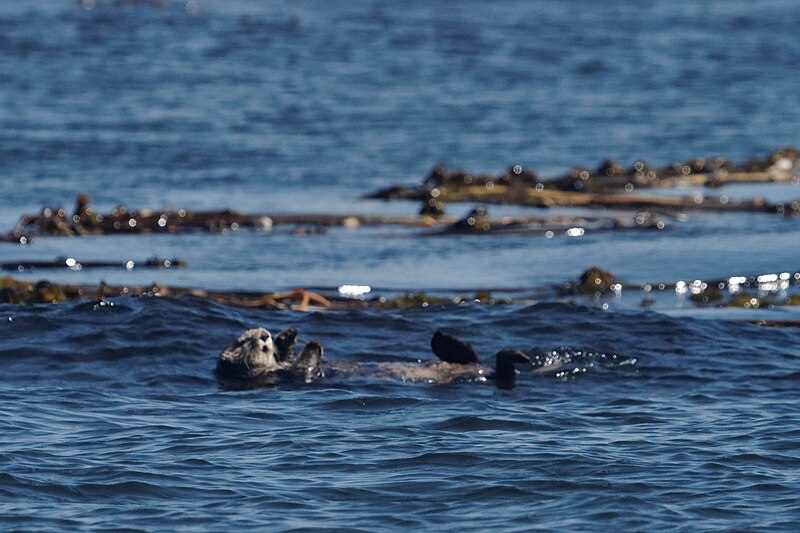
(666, 417)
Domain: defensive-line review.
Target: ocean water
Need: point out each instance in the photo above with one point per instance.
(669, 418)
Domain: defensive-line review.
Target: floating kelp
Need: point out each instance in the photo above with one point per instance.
(421, 299)
(710, 295)
(752, 292)
(583, 187)
(18, 238)
(547, 198)
(27, 292)
(477, 222)
(515, 176)
(84, 222)
(761, 291)
(276, 300)
(21, 292)
(70, 263)
(54, 222)
(779, 166)
(593, 281)
(594, 286)
(752, 300)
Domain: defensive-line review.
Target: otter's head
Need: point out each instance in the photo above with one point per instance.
(252, 353)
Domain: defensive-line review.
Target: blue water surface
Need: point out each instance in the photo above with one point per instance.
(111, 415)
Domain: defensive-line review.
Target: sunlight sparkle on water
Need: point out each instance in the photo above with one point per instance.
(354, 291)
(680, 287)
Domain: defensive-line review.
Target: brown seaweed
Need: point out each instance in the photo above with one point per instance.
(14, 291)
(84, 221)
(758, 291)
(608, 186)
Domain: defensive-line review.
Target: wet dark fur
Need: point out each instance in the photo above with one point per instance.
(255, 359)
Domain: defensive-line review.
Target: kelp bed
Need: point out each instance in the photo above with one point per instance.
(84, 221)
(608, 187)
(595, 285)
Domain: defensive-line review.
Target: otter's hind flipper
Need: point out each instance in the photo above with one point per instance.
(505, 375)
(451, 350)
(284, 345)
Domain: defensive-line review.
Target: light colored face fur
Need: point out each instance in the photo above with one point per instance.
(254, 350)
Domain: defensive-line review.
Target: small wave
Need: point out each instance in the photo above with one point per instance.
(436, 459)
(102, 305)
(475, 423)
(371, 403)
(497, 491)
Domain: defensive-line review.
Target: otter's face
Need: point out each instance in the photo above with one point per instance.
(254, 349)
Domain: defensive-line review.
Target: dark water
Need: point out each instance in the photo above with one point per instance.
(111, 416)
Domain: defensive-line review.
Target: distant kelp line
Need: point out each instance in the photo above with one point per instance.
(610, 185)
(84, 221)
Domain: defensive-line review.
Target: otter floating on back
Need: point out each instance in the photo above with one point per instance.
(256, 359)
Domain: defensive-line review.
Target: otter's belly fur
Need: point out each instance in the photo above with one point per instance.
(428, 372)
(439, 372)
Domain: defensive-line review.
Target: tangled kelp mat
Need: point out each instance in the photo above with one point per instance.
(54, 222)
(609, 186)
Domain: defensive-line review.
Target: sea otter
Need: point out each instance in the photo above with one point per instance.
(255, 359)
